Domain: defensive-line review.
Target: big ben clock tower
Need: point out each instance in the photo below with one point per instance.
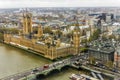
(76, 38)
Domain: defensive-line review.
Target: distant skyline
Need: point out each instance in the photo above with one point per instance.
(58, 3)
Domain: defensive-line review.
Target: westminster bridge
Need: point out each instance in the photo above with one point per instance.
(56, 66)
(42, 70)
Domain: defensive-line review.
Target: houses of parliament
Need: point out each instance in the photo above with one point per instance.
(48, 47)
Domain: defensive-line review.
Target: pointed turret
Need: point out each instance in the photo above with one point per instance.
(40, 31)
(27, 22)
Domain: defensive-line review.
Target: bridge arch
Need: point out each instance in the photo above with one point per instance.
(64, 67)
(54, 71)
(40, 76)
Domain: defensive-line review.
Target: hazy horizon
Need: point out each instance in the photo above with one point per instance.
(58, 3)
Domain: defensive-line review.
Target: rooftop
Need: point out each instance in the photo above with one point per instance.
(102, 46)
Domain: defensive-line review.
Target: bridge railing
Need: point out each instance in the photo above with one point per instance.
(63, 63)
(19, 73)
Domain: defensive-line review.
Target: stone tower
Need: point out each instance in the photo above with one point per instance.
(76, 38)
(40, 31)
(27, 23)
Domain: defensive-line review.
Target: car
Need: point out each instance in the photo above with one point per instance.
(46, 66)
(60, 62)
(114, 70)
(34, 71)
(104, 67)
(80, 59)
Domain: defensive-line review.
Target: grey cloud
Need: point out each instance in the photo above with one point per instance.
(57, 3)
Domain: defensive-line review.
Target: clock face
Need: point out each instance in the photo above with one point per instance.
(76, 32)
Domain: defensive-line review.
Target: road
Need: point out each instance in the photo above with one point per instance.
(39, 69)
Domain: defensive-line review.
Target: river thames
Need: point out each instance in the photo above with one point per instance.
(14, 60)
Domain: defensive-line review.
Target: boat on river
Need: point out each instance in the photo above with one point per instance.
(81, 77)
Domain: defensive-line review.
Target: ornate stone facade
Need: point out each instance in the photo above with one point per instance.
(27, 23)
(48, 47)
(76, 38)
(51, 52)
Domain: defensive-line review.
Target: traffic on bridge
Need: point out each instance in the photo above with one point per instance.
(39, 70)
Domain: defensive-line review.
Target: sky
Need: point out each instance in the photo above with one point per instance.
(58, 3)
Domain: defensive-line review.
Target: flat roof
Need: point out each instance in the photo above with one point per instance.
(104, 49)
(101, 46)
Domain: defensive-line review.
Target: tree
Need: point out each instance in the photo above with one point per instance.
(9, 30)
(118, 38)
(83, 49)
(112, 37)
(47, 30)
(104, 37)
(95, 35)
(70, 34)
(1, 37)
(92, 60)
(109, 64)
(59, 33)
(2, 30)
(84, 41)
(14, 30)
